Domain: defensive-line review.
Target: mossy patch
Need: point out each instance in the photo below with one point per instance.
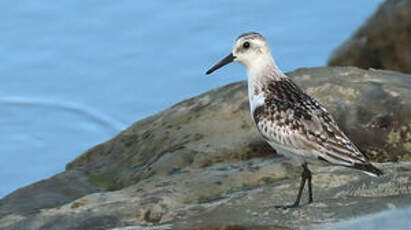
(106, 183)
(99, 180)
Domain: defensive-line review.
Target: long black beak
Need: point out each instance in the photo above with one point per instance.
(230, 58)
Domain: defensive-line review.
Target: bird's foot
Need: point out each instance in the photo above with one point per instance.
(289, 206)
(295, 205)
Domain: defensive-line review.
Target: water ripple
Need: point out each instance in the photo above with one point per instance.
(86, 111)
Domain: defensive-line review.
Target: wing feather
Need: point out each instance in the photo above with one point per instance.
(293, 119)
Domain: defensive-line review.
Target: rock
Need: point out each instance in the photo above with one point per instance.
(201, 163)
(59, 189)
(382, 43)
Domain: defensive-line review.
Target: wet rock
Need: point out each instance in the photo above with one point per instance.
(202, 163)
(382, 43)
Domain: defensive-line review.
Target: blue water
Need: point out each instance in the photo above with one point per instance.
(75, 73)
(393, 219)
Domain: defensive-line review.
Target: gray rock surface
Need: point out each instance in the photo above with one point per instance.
(382, 43)
(201, 163)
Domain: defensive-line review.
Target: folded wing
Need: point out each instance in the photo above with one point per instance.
(293, 119)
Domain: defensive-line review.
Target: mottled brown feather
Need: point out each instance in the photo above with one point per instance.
(292, 118)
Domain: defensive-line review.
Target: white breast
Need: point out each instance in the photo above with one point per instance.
(255, 100)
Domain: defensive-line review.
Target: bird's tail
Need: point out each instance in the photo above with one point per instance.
(368, 169)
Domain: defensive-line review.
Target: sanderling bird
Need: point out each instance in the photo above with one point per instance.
(292, 122)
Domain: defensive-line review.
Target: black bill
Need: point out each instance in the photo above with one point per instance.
(230, 58)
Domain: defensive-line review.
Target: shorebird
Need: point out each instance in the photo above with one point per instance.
(291, 121)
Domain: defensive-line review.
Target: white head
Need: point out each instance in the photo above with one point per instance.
(250, 49)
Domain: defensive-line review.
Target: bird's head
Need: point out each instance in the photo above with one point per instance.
(250, 49)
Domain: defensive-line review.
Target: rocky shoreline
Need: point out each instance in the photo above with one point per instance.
(201, 165)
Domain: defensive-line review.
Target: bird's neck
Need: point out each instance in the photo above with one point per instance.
(261, 73)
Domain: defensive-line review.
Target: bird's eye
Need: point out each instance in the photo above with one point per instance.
(246, 45)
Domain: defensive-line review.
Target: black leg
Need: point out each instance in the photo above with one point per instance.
(305, 175)
(310, 192)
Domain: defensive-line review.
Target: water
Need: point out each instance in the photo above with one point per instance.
(75, 73)
(392, 219)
